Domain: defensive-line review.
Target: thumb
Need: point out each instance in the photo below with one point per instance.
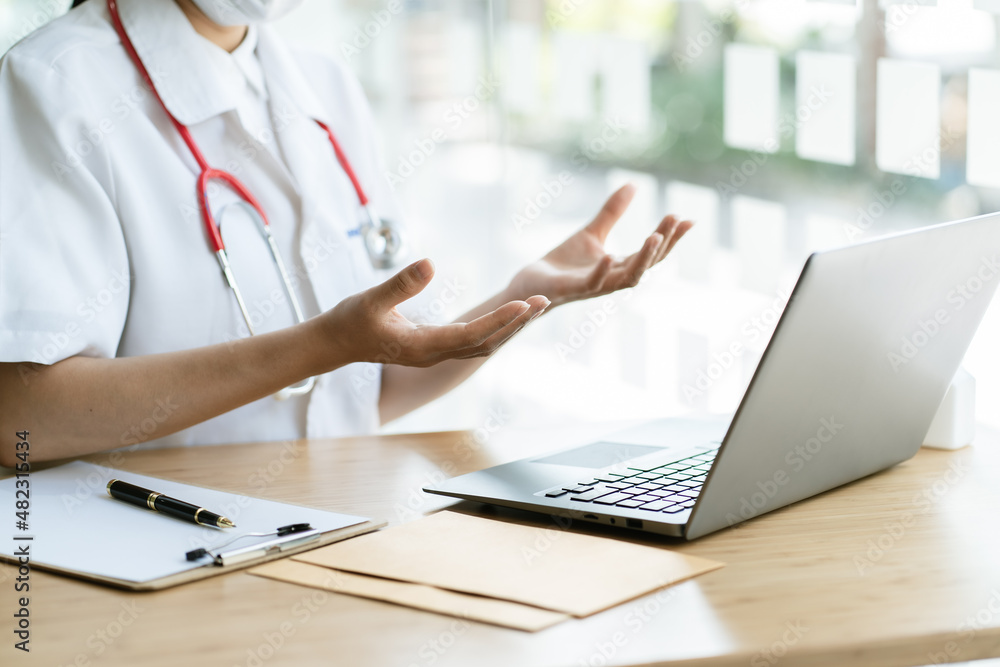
(406, 284)
(612, 210)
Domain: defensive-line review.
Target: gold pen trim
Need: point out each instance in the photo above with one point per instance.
(200, 510)
(152, 499)
(109, 486)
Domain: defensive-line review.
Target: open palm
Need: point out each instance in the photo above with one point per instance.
(579, 268)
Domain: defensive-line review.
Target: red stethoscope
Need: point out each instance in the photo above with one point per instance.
(382, 239)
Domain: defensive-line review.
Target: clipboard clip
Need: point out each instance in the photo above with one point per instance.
(286, 537)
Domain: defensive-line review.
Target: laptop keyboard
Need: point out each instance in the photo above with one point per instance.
(669, 488)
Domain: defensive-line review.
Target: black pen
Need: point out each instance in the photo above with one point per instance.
(136, 495)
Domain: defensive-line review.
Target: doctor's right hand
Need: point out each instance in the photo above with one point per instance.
(368, 327)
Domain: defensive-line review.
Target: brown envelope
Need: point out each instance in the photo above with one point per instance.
(543, 567)
(450, 603)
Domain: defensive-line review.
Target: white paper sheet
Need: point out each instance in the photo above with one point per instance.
(751, 87)
(992, 6)
(700, 204)
(625, 82)
(77, 526)
(574, 76)
(983, 148)
(825, 106)
(522, 82)
(908, 118)
(759, 240)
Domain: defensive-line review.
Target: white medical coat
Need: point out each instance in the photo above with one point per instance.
(102, 249)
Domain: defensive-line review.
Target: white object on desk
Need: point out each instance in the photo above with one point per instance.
(77, 528)
(954, 425)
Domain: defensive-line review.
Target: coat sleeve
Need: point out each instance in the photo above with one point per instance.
(64, 272)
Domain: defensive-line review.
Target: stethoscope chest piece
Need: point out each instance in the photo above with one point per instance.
(383, 241)
(384, 244)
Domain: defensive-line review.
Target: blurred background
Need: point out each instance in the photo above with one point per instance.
(780, 126)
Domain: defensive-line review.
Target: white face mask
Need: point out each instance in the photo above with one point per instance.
(245, 12)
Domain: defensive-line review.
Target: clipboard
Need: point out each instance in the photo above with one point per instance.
(75, 528)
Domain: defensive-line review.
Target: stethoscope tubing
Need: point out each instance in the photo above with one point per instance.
(207, 174)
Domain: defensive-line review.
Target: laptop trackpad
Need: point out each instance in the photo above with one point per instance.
(599, 455)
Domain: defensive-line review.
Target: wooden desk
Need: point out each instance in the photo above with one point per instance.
(883, 572)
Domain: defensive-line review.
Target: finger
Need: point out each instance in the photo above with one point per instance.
(626, 264)
(680, 230)
(612, 210)
(653, 244)
(668, 228)
(600, 273)
(499, 339)
(449, 338)
(404, 285)
(636, 265)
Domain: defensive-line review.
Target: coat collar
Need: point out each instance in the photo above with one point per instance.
(282, 71)
(196, 79)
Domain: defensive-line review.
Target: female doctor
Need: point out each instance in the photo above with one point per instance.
(143, 145)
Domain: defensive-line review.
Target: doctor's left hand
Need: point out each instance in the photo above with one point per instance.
(579, 268)
(368, 327)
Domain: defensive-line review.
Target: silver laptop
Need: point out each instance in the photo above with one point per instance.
(848, 385)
